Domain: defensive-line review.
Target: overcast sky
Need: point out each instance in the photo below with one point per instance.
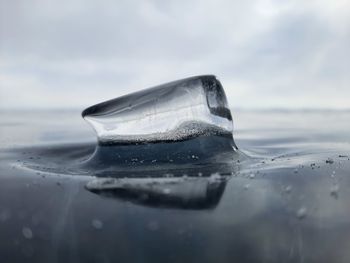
(266, 53)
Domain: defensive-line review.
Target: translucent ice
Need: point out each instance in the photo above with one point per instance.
(175, 111)
(184, 121)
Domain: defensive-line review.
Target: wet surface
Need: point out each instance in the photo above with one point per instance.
(285, 199)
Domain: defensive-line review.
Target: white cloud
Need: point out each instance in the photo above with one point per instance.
(267, 53)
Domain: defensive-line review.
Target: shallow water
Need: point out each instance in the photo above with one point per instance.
(283, 197)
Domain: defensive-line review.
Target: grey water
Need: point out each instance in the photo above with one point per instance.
(281, 197)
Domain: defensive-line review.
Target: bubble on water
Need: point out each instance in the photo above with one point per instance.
(246, 187)
(5, 215)
(329, 161)
(288, 189)
(252, 176)
(333, 174)
(302, 212)
(335, 191)
(27, 232)
(153, 225)
(97, 224)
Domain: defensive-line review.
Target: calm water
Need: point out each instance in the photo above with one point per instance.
(283, 197)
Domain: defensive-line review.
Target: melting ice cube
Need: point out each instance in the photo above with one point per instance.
(183, 126)
(174, 111)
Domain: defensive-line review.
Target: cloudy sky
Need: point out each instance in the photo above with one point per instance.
(267, 53)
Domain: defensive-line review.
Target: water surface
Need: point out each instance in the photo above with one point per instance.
(283, 197)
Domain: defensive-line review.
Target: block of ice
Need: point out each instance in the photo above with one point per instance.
(174, 111)
(180, 121)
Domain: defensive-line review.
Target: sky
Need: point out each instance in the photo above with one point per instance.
(266, 53)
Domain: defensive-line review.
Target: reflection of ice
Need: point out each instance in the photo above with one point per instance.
(184, 192)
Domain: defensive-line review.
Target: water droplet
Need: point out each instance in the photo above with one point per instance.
(153, 225)
(5, 215)
(288, 189)
(329, 161)
(97, 224)
(27, 232)
(301, 213)
(335, 191)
